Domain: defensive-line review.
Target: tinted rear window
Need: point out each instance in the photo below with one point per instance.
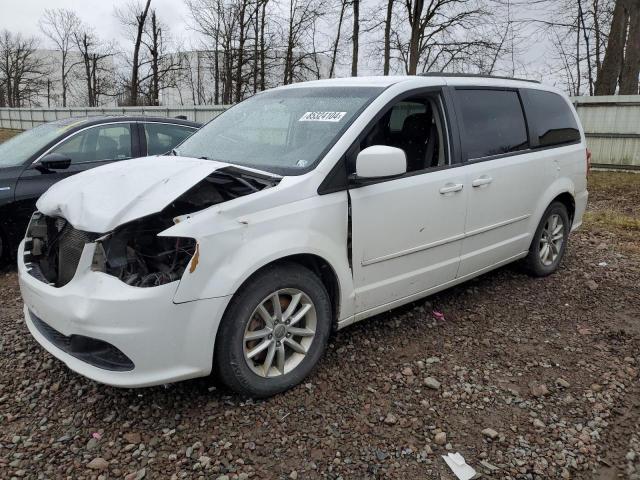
(493, 122)
(551, 118)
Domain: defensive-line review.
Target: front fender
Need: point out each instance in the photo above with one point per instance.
(236, 247)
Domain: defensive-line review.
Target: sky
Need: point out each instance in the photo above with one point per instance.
(22, 16)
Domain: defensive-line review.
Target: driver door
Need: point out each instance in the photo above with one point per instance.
(407, 232)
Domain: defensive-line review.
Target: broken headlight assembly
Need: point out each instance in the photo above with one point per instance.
(135, 254)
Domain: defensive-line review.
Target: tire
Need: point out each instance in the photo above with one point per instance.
(4, 249)
(541, 262)
(270, 371)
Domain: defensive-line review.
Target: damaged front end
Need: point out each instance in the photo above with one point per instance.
(134, 252)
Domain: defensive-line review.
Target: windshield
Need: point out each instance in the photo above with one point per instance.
(18, 149)
(281, 131)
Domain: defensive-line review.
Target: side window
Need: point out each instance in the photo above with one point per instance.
(493, 122)
(413, 125)
(401, 111)
(108, 142)
(551, 118)
(162, 137)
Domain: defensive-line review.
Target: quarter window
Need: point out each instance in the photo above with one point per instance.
(552, 120)
(493, 122)
(162, 137)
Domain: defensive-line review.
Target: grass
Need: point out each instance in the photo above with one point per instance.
(6, 134)
(614, 207)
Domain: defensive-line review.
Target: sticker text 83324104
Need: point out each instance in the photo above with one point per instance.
(322, 116)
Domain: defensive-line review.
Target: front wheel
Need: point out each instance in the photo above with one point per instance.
(4, 249)
(274, 331)
(549, 242)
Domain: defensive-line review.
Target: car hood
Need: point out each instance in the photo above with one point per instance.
(100, 199)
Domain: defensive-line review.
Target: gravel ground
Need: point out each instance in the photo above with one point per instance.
(527, 378)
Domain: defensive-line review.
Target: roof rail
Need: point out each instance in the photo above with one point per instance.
(473, 75)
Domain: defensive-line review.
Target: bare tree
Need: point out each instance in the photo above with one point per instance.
(336, 42)
(133, 17)
(97, 73)
(300, 32)
(159, 66)
(59, 26)
(23, 74)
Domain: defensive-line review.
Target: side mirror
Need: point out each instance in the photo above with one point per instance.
(55, 161)
(380, 161)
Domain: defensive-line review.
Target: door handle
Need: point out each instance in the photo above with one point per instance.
(483, 180)
(450, 188)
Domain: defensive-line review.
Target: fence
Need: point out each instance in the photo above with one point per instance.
(611, 123)
(25, 118)
(612, 127)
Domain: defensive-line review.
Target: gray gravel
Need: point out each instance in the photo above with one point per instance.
(526, 378)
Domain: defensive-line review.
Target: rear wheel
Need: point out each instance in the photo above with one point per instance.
(549, 242)
(274, 331)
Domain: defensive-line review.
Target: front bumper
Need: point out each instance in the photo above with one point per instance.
(165, 341)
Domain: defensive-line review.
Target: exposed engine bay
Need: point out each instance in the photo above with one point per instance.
(133, 252)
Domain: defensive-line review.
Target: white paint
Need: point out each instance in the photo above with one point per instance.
(411, 236)
(381, 161)
(100, 199)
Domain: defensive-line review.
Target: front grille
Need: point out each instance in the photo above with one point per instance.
(53, 249)
(90, 350)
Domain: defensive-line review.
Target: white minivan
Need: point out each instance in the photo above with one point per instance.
(299, 211)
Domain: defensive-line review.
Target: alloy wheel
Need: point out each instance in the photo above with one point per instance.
(279, 333)
(551, 240)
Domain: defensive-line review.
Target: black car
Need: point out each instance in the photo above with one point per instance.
(36, 159)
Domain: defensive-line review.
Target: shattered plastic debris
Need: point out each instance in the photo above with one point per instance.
(438, 315)
(458, 466)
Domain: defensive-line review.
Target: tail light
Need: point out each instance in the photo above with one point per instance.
(588, 159)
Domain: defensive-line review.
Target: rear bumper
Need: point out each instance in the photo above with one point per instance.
(581, 200)
(164, 341)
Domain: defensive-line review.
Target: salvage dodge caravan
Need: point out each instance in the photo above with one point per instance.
(300, 210)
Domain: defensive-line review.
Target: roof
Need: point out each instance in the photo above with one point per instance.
(428, 79)
(98, 119)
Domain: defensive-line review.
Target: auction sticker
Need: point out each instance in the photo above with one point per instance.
(322, 116)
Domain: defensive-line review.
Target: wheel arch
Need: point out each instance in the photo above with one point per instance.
(569, 202)
(321, 267)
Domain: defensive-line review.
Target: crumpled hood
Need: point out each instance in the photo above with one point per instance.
(100, 199)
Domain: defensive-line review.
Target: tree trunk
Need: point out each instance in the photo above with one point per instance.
(356, 33)
(135, 67)
(631, 66)
(155, 62)
(262, 45)
(387, 38)
(334, 54)
(614, 53)
(64, 78)
(414, 41)
(239, 66)
(585, 34)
